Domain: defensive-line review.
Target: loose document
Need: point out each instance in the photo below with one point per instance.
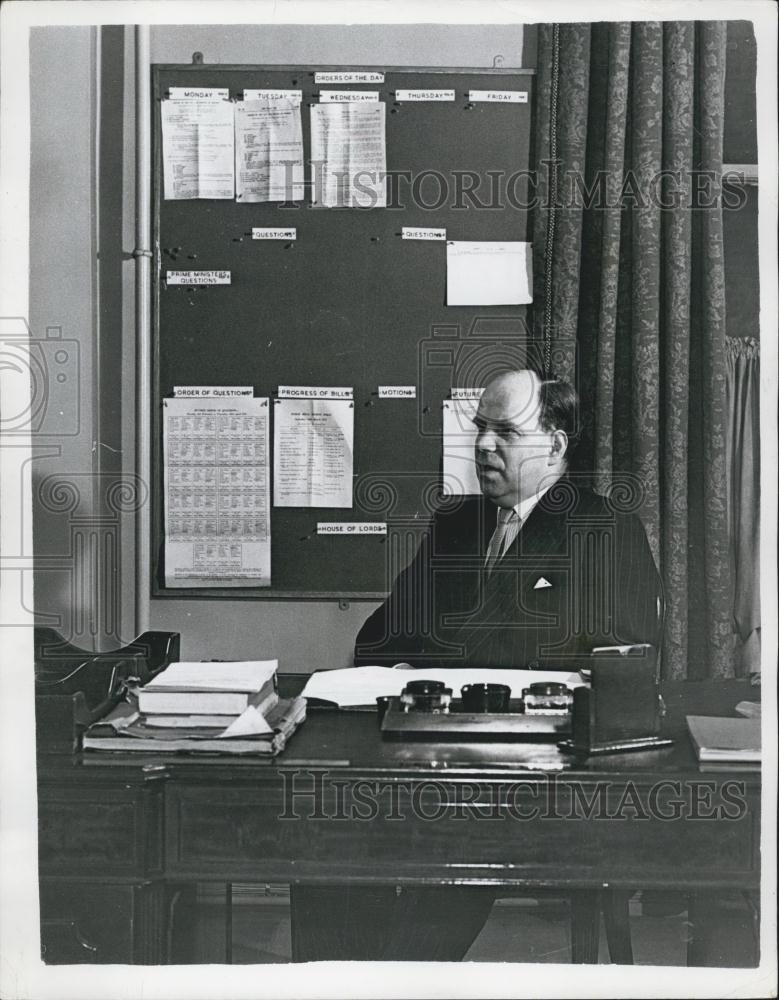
(348, 155)
(268, 150)
(354, 686)
(313, 452)
(198, 145)
(488, 273)
(217, 505)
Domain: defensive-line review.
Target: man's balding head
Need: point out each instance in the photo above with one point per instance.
(524, 425)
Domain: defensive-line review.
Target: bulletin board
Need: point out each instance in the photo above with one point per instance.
(349, 303)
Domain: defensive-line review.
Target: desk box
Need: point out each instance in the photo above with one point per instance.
(622, 709)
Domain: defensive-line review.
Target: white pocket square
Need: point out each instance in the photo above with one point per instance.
(541, 583)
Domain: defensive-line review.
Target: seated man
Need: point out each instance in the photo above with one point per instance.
(534, 573)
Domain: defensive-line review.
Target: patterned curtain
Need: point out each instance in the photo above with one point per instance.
(742, 387)
(630, 295)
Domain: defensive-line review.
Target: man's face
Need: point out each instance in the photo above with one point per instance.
(514, 455)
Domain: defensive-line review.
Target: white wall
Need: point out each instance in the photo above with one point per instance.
(386, 45)
(61, 296)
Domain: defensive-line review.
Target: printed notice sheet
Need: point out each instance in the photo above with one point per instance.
(198, 157)
(459, 475)
(313, 452)
(348, 155)
(268, 150)
(217, 504)
(488, 274)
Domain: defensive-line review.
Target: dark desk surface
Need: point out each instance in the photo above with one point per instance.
(119, 834)
(350, 742)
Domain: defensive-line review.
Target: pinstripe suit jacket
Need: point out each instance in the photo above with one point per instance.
(580, 574)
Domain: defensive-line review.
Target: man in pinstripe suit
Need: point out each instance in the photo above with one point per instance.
(534, 573)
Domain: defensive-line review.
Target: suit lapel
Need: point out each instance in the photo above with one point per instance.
(544, 530)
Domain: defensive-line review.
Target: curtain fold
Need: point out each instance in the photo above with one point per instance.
(629, 122)
(678, 112)
(743, 482)
(710, 254)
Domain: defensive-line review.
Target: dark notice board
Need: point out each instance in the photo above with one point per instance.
(348, 304)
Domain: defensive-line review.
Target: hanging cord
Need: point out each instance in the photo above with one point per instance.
(552, 219)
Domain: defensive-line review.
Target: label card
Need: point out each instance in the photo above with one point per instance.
(347, 96)
(198, 277)
(337, 76)
(211, 391)
(466, 393)
(397, 392)
(315, 392)
(499, 96)
(424, 95)
(296, 96)
(274, 234)
(351, 528)
(199, 94)
(417, 233)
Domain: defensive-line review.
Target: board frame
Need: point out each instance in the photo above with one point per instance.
(158, 590)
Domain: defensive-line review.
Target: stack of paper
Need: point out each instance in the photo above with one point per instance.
(219, 692)
(723, 740)
(224, 707)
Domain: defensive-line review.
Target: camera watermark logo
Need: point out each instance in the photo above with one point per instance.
(50, 367)
(455, 358)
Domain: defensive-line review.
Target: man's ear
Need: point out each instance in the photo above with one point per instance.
(559, 446)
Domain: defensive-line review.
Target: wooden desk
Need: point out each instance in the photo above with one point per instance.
(122, 835)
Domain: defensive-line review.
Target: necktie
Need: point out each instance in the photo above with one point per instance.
(502, 537)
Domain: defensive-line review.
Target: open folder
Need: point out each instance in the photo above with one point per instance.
(358, 686)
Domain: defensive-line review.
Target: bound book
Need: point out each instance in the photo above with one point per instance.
(196, 720)
(723, 740)
(208, 688)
